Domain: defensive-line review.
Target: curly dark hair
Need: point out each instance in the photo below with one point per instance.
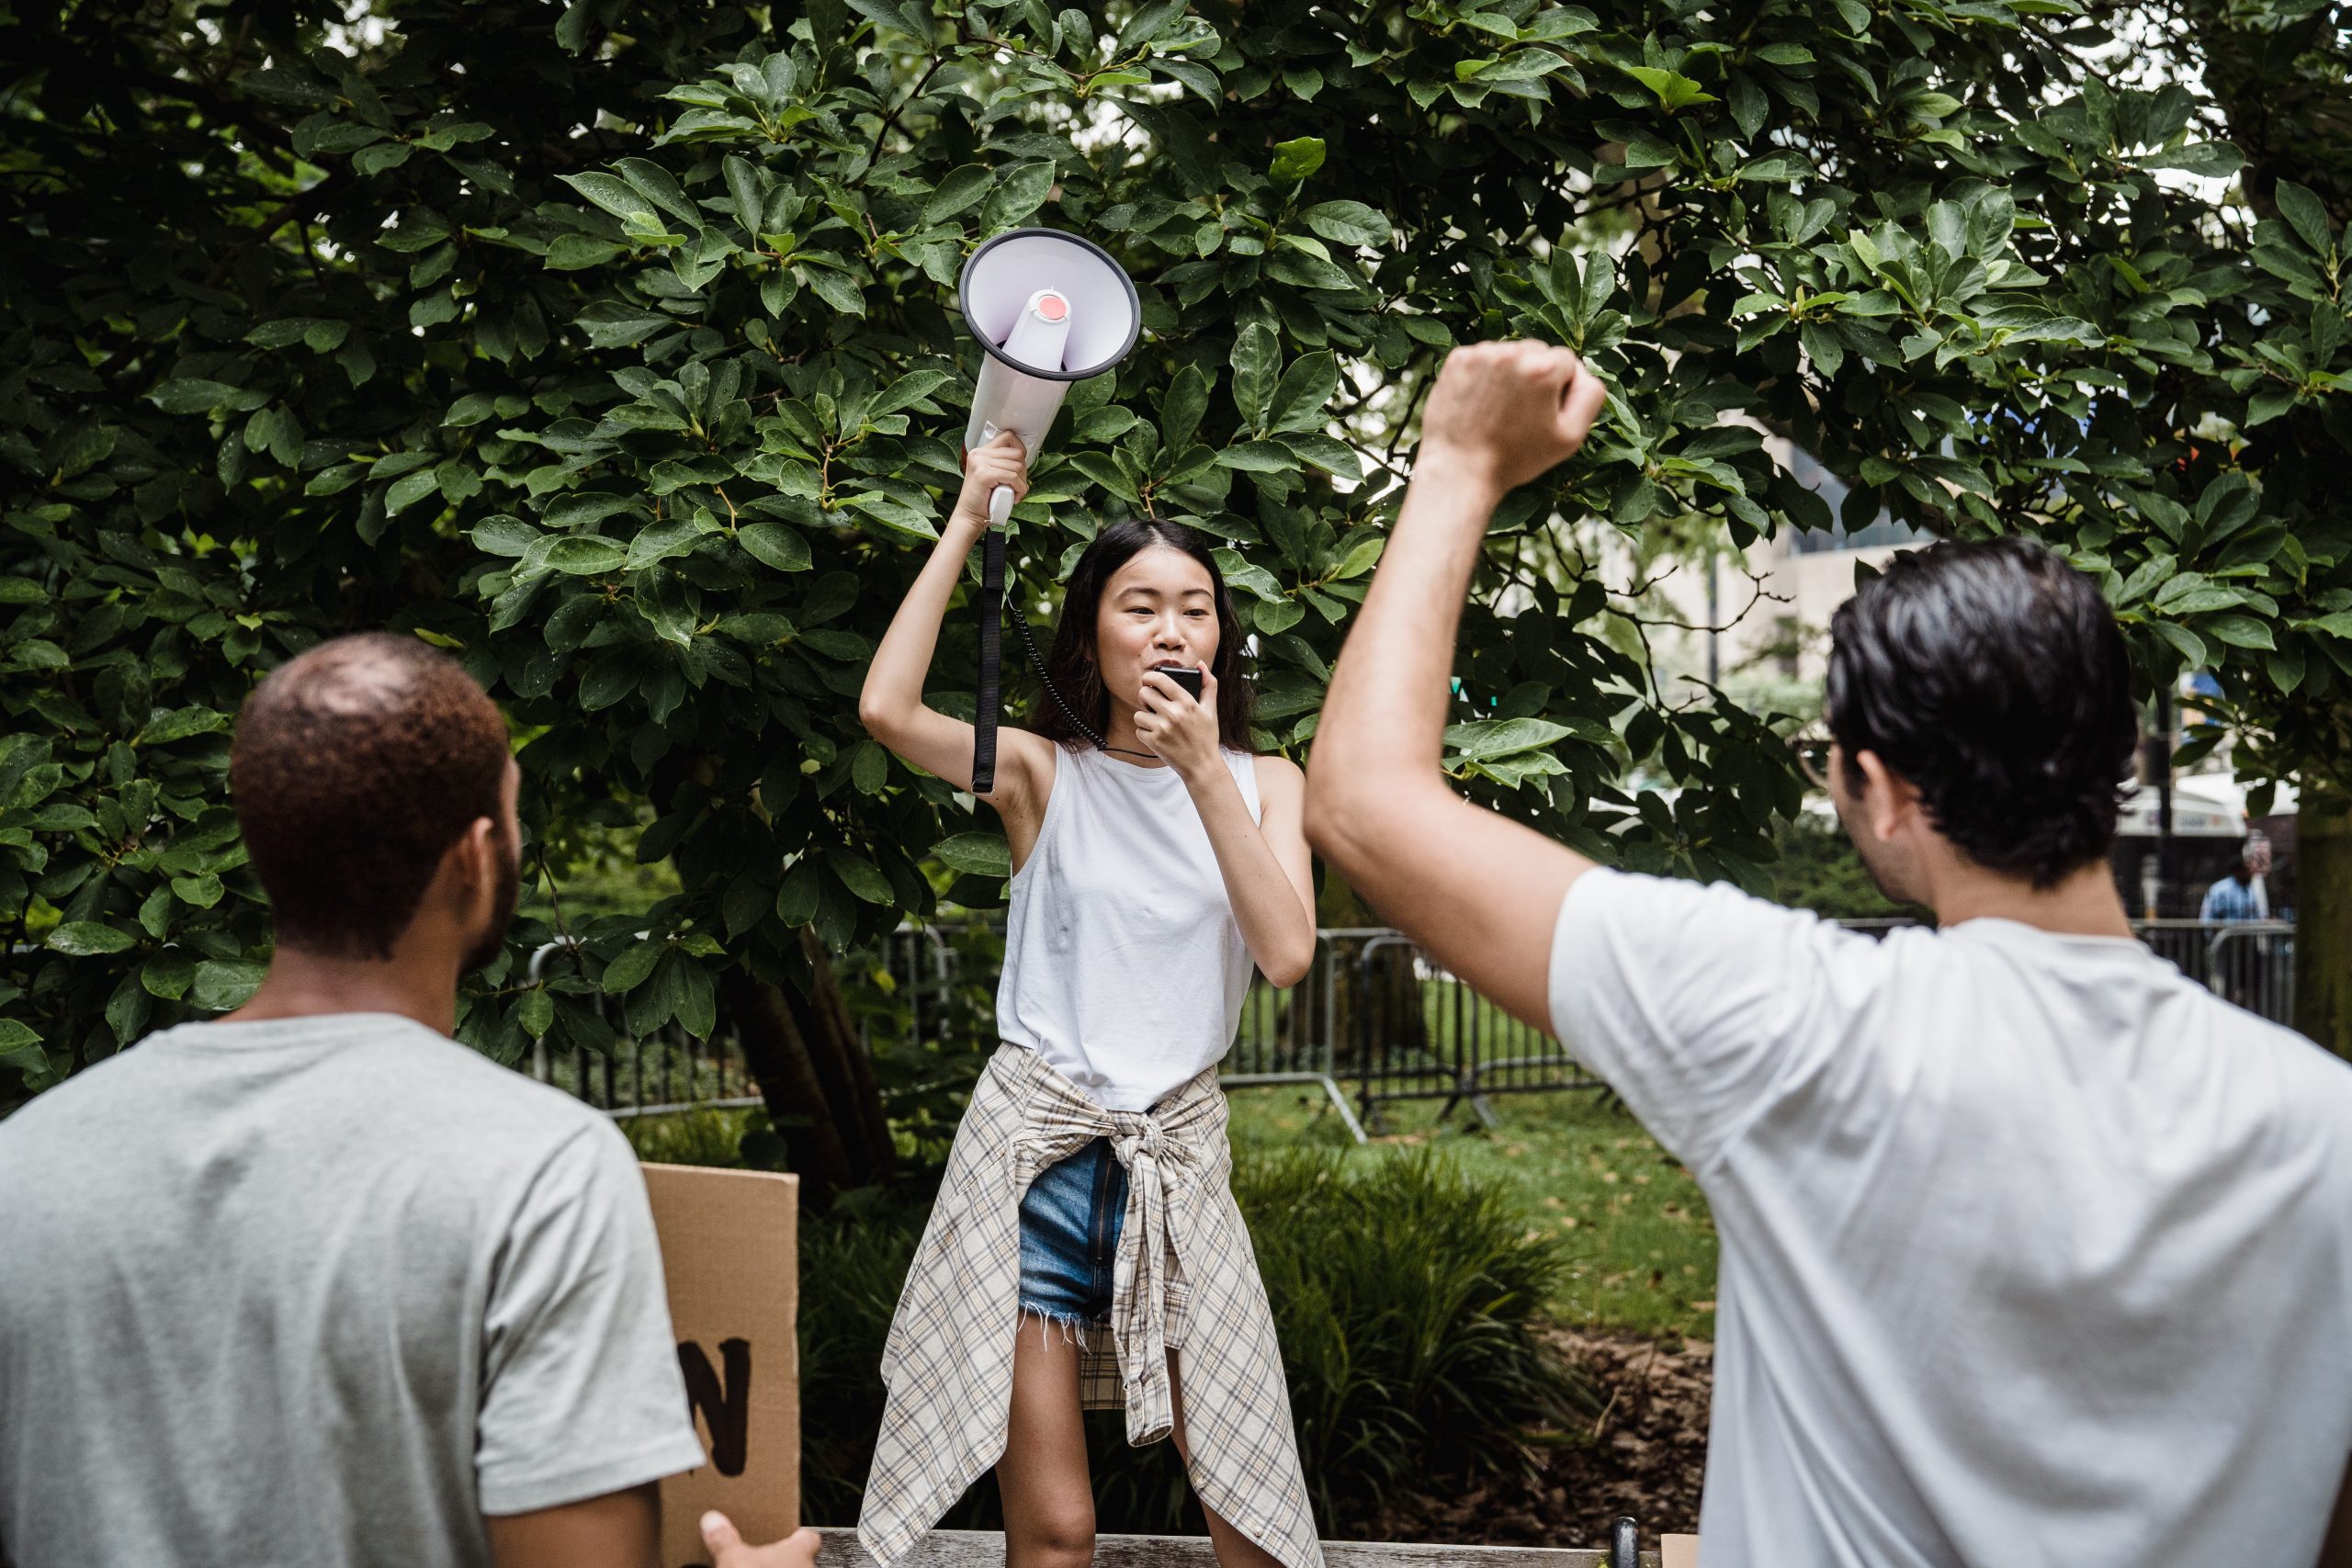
(1070, 663)
(355, 765)
(1994, 678)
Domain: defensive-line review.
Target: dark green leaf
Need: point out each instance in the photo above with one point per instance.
(2302, 210)
(82, 939)
(222, 984)
(585, 555)
(1023, 191)
(958, 192)
(976, 854)
(630, 967)
(860, 875)
(1296, 160)
(775, 545)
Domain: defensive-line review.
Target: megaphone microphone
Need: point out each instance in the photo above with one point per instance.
(1048, 309)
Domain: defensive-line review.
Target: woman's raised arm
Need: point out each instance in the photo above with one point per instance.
(892, 705)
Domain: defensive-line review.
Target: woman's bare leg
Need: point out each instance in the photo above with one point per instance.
(1048, 1495)
(1234, 1549)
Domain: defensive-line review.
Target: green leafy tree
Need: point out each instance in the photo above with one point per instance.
(611, 347)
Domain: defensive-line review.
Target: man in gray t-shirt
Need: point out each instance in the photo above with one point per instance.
(313, 1283)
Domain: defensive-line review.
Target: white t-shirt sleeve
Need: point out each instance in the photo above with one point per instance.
(1693, 1001)
(582, 1393)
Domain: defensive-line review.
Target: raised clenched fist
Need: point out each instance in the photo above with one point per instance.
(1503, 412)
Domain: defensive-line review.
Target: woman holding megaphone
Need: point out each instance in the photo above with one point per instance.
(1085, 1251)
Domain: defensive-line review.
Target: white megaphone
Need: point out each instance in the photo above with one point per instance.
(1048, 309)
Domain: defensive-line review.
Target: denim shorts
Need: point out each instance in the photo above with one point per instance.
(1069, 1237)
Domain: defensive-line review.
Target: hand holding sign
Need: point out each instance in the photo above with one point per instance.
(728, 1257)
(729, 1550)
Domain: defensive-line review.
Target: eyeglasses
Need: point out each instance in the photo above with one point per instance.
(1812, 752)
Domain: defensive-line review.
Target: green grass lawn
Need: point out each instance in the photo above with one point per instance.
(1643, 1240)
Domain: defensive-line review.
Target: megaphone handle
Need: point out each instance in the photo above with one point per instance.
(1000, 506)
(991, 615)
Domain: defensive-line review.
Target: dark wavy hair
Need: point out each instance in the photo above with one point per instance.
(1993, 677)
(1070, 663)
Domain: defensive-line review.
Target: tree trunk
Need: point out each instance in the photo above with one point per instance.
(843, 1064)
(803, 1051)
(2323, 919)
(814, 1074)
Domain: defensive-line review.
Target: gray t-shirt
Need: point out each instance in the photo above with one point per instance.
(324, 1291)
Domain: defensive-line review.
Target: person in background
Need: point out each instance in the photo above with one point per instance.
(2032, 1250)
(2236, 963)
(2245, 894)
(313, 1283)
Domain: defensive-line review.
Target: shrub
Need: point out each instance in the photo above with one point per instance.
(1405, 1294)
(853, 1263)
(609, 345)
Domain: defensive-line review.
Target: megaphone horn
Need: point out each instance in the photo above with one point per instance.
(1048, 309)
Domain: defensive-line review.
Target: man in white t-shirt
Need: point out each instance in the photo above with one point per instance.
(315, 1285)
(2032, 1250)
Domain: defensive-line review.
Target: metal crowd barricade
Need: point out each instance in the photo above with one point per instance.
(1286, 1034)
(1373, 1016)
(1290, 1035)
(663, 1074)
(1422, 1033)
(2248, 962)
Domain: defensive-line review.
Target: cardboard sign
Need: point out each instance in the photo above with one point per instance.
(1679, 1551)
(730, 1252)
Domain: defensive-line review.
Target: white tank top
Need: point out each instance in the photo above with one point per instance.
(1124, 966)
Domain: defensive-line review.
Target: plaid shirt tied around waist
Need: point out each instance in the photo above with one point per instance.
(1185, 1279)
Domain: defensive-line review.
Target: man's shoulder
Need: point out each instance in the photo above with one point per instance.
(1680, 900)
(443, 1077)
(395, 1075)
(2320, 1081)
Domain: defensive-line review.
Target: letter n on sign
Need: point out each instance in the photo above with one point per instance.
(730, 1252)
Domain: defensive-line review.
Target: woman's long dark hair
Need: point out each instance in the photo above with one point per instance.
(1072, 665)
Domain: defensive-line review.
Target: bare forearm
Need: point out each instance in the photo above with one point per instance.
(620, 1529)
(894, 680)
(1380, 737)
(1479, 892)
(1276, 916)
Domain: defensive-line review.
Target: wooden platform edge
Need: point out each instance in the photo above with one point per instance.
(985, 1548)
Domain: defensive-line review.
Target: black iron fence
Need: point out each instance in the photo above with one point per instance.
(1374, 1022)
(666, 1071)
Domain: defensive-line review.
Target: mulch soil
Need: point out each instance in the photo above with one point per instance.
(1644, 1455)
